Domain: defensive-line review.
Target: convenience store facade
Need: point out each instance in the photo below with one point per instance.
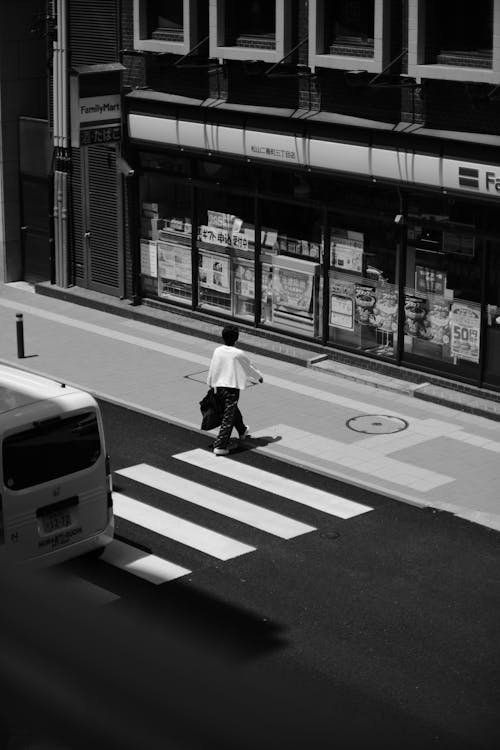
(361, 240)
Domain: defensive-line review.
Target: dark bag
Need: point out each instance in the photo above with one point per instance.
(211, 410)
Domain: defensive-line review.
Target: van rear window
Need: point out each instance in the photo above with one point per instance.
(51, 449)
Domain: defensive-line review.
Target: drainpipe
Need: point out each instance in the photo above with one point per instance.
(65, 143)
(403, 238)
(57, 226)
(61, 146)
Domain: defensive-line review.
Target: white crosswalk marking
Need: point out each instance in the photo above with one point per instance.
(150, 567)
(231, 507)
(158, 570)
(326, 502)
(170, 526)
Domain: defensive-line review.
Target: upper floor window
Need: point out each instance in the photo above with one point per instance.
(166, 25)
(252, 30)
(459, 32)
(166, 20)
(349, 28)
(349, 34)
(454, 39)
(251, 24)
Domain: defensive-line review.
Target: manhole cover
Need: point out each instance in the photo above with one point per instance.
(377, 424)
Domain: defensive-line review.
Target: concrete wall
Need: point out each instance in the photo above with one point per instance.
(23, 91)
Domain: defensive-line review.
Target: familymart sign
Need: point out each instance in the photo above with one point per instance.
(100, 108)
(95, 119)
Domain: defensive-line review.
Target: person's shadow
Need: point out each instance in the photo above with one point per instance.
(252, 442)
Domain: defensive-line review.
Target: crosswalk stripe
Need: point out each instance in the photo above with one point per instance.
(205, 540)
(326, 502)
(149, 567)
(219, 502)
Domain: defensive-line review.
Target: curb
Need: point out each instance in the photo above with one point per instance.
(486, 409)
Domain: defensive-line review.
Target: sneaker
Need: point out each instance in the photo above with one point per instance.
(245, 434)
(221, 451)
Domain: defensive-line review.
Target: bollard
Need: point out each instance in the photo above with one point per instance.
(20, 335)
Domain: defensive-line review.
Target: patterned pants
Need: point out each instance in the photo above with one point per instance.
(231, 416)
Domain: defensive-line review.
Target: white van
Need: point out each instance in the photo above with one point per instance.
(55, 482)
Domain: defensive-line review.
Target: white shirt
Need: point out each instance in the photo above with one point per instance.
(231, 368)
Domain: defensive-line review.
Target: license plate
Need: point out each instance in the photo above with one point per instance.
(56, 521)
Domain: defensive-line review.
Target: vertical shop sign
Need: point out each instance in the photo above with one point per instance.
(465, 325)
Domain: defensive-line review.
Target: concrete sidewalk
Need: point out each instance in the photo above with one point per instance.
(362, 427)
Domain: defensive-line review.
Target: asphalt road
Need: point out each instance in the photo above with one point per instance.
(378, 629)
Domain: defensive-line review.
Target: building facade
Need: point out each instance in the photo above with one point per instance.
(325, 169)
(24, 143)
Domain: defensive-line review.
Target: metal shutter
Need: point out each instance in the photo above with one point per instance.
(103, 212)
(93, 31)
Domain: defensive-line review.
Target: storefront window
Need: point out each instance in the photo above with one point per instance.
(443, 288)
(226, 254)
(492, 348)
(291, 255)
(165, 238)
(363, 295)
(459, 32)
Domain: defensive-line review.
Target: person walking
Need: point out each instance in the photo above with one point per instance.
(228, 374)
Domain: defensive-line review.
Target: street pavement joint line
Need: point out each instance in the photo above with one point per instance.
(326, 502)
(142, 564)
(175, 528)
(216, 501)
